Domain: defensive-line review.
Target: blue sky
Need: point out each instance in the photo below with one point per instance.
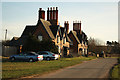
(99, 19)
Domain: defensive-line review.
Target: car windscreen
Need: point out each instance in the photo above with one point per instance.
(30, 53)
(43, 53)
(51, 52)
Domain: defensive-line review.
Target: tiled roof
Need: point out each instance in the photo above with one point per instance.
(54, 29)
(46, 25)
(82, 37)
(75, 36)
(18, 42)
(15, 38)
(28, 30)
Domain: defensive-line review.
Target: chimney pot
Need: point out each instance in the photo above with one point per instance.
(56, 8)
(40, 9)
(51, 8)
(67, 22)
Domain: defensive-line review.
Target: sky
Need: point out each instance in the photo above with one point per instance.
(99, 19)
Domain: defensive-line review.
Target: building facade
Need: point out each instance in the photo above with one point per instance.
(79, 43)
(74, 42)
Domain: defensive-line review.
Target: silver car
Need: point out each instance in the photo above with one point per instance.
(28, 56)
(47, 55)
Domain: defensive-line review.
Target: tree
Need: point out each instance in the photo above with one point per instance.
(91, 44)
(48, 45)
(33, 44)
(95, 45)
(113, 47)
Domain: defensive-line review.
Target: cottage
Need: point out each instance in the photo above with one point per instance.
(47, 29)
(74, 42)
(78, 45)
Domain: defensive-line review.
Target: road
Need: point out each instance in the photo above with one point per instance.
(98, 68)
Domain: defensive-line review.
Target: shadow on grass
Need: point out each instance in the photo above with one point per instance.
(8, 60)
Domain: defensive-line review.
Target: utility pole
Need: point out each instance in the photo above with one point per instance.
(5, 34)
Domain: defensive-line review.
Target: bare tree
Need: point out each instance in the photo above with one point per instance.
(95, 45)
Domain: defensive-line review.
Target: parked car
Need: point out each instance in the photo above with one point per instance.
(27, 56)
(47, 55)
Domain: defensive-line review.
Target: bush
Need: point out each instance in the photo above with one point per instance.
(70, 56)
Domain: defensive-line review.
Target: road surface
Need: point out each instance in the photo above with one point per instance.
(98, 68)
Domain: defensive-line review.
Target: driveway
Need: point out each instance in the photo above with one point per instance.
(98, 68)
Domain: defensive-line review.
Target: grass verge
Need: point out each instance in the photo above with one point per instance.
(115, 73)
(21, 69)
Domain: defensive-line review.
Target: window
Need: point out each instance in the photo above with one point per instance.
(71, 43)
(42, 53)
(58, 39)
(64, 40)
(40, 38)
(31, 54)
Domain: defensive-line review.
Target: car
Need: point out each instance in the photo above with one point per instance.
(47, 55)
(27, 56)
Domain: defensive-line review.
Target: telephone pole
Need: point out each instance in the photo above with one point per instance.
(5, 34)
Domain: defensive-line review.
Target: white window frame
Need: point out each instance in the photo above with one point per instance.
(40, 38)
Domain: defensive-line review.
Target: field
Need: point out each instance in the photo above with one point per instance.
(21, 69)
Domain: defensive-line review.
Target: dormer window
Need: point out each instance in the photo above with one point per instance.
(64, 40)
(40, 38)
(58, 39)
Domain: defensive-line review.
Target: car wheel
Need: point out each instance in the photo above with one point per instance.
(31, 60)
(12, 59)
(48, 59)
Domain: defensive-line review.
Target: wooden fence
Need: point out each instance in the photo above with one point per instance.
(9, 50)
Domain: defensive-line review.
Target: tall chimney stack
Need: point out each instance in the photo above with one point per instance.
(66, 25)
(57, 15)
(77, 26)
(48, 15)
(51, 15)
(41, 14)
(80, 27)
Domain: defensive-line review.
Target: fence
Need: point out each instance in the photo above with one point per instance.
(9, 50)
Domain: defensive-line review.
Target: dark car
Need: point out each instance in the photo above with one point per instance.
(27, 56)
(47, 55)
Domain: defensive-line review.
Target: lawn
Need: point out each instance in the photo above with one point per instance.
(116, 71)
(21, 69)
